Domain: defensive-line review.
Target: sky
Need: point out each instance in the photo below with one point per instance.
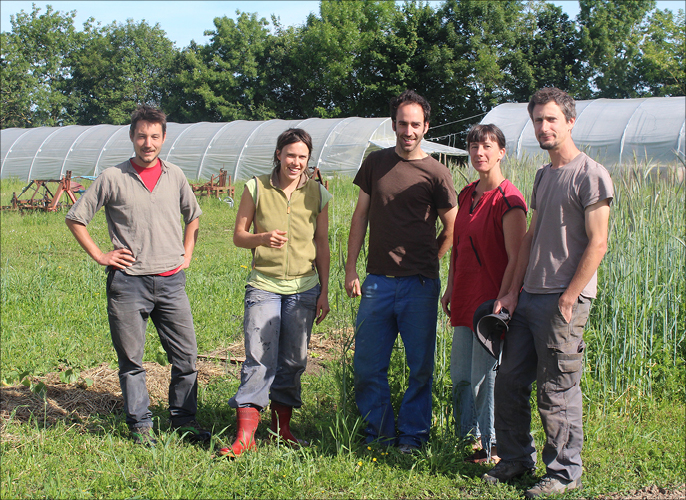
(184, 21)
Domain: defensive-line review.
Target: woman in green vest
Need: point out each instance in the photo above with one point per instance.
(287, 288)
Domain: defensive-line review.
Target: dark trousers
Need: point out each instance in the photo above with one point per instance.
(542, 346)
(131, 300)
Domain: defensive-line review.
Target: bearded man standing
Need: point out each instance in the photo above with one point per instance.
(403, 191)
(557, 265)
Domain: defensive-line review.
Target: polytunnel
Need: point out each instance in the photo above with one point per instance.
(242, 148)
(612, 131)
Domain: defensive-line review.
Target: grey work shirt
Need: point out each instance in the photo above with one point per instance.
(147, 223)
(560, 198)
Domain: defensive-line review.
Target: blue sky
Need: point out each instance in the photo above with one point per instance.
(184, 21)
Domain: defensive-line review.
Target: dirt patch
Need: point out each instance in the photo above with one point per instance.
(650, 493)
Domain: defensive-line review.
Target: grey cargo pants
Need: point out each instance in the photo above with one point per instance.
(542, 346)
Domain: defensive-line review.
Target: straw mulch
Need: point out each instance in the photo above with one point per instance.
(76, 402)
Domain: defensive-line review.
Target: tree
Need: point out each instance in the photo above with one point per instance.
(611, 32)
(224, 80)
(663, 65)
(33, 68)
(119, 67)
(547, 53)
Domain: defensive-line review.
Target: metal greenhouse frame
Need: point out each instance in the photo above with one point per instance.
(242, 148)
(612, 131)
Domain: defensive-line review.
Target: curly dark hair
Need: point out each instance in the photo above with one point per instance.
(410, 96)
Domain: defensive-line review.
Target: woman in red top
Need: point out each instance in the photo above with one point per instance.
(489, 228)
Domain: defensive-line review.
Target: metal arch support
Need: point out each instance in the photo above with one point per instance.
(679, 144)
(240, 155)
(71, 147)
(10, 149)
(369, 139)
(518, 147)
(104, 147)
(321, 152)
(209, 145)
(41, 147)
(166, 158)
(626, 126)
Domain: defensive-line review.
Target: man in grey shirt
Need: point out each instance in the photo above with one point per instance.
(144, 199)
(557, 265)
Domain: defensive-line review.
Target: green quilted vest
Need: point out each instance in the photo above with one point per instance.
(298, 217)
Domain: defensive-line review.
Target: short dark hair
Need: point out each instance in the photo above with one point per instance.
(559, 97)
(413, 97)
(148, 114)
(291, 136)
(482, 132)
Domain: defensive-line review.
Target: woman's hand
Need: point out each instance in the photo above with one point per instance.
(445, 300)
(274, 239)
(322, 307)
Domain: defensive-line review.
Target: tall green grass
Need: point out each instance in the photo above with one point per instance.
(53, 304)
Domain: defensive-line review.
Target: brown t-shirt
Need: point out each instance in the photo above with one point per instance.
(560, 198)
(405, 198)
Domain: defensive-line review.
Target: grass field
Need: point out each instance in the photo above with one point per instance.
(54, 319)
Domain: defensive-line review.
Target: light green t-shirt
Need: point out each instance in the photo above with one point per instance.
(274, 285)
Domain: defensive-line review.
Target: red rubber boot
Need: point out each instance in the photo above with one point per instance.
(248, 419)
(281, 424)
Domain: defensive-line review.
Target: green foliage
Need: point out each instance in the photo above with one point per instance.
(349, 59)
(34, 68)
(118, 67)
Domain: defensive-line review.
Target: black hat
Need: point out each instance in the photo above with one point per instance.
(490, 328)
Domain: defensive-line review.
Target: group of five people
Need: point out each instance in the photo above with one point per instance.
(545, 277)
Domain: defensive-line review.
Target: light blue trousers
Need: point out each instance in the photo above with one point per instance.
(473, 378)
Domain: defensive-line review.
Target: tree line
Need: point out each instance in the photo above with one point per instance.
(465, 56)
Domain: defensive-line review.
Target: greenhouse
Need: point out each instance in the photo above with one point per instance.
(612, 131)
(242, 148)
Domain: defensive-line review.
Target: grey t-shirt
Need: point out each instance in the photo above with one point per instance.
(148, 224)
(560, 198)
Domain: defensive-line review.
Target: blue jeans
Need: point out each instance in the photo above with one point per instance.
(277, 331)
(131, 300)
(542, 346)
(473, 378)
(409, 306)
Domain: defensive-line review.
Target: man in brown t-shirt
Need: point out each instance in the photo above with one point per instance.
(403, 191)
(557, 264)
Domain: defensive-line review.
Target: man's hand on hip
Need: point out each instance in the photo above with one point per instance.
(118, 259)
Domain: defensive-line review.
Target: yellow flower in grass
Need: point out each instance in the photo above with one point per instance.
(359, 464)
(374, 459)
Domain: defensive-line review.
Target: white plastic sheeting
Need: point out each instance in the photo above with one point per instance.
(612, 131)
(243, 148)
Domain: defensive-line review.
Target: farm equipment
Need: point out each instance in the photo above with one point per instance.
(43, 198)
(217, 186)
